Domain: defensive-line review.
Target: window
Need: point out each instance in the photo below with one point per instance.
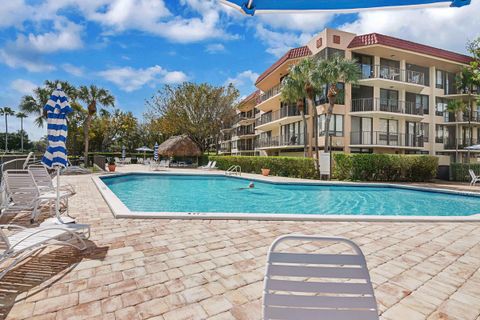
(319, 42)
(439, 133)
(416, 133)
(388, 134)
(440, 79)
(336, 125)
(330, 52)
(418, 74)
(389, 100)
(446, 81)
(292, 133)
(366, 65)
(361, 130)
(419, 100)
(336, 39)
(440, 106)
(321, 97)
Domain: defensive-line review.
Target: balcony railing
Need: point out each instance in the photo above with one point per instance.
(287, 111)
(465, 117)
(451, 144)
(245, 146)
(242, 131)
(379, 138)
(387, 105)
(281, 141)
(245, 116)
(391, 73)
(269, 93)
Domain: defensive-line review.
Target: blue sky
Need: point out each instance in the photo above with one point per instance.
(133, 47)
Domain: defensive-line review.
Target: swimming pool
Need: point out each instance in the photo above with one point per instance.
(199, 194)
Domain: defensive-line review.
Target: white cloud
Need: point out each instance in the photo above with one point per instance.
(23, 86)
(303, 22)
(73, 70)
(130, 79)
(448, 28)
(27, 51)
(278, 43)
(214, 48)
(243, 80)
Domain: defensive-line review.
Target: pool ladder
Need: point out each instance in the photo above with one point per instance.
(234, 170)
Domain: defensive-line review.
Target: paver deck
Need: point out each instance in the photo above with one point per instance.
(213, 269)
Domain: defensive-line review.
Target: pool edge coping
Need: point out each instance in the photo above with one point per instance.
(120, 210)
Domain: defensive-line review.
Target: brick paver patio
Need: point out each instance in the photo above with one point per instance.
(200, 269)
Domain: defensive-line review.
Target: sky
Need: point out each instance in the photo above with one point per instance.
(133, 47)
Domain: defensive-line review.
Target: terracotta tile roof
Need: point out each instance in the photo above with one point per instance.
(291, 54)
(376, 38)
(253, 95)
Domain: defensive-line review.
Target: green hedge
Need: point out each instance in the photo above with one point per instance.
(459, 171)
(279, 166)
(384, 167)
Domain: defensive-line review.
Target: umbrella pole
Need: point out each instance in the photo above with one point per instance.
(57, 201)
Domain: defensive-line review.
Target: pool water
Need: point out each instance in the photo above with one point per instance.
(197, 193)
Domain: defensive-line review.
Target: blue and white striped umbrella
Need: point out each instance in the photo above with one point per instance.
(155, 152)
(251, 7)
(124, 153)
(57, 109)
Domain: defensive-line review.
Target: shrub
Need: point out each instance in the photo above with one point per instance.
(384, 167)
(279, 166)
(459, 171)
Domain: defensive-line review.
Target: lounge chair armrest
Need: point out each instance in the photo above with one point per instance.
(11, 226)
(44, 229)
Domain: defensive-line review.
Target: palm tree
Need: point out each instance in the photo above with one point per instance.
(330, 72)
(92, 96)
(457, 107)
(6, 111)
(293, 92)
(33, 104)
(21, 116)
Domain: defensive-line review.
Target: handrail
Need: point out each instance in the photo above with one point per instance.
(234, 170)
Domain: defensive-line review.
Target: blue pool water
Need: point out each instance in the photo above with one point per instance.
(194, 193)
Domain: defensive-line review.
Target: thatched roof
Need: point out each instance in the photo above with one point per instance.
(181, 146)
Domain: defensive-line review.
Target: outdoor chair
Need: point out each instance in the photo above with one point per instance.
(45, 182)
(213, 165)
(207, 166)
(474, 177)
(128, 160)
(22, 193)
(312, 286)
(15, 247)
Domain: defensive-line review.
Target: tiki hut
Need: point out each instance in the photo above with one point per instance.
(180, 147)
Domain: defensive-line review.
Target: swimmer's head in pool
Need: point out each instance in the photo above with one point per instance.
(251, 185)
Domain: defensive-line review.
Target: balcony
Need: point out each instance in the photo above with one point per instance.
(245, 118)
(385, 139)
(285, 115)
(369, 106)
(395, 78)
(243, 133)
(463, 118)
(451, 144)
(245, 146)
(282, 141)
(267, 100)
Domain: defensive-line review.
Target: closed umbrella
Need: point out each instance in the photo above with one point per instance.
(124, 154)
(57, 108)
(251, 7)
(155, 152)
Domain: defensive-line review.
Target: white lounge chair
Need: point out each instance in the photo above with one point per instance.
(474, 177)
(207, 166)
(128, 160)
(312, 286)
(139, 160)
(17, 246)
(22, 193)
(45, 182)
(213, 166)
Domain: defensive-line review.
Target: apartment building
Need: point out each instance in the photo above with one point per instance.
(239, 139)
(398, 106)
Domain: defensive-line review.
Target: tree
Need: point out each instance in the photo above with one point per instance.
(473, 48)
(6, 111)
(33, 104)
(21, 116)
(330, 72)
(293, 91)
(197, 110)
(93, 96)
(457, 107)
